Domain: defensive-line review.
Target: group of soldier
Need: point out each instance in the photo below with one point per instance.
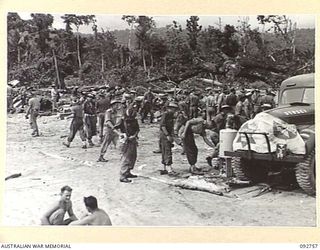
(112, 116)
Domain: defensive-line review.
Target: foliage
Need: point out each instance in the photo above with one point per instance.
(193, 29)
(39, 54)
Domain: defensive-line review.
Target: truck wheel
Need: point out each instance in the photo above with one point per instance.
(306, 174)
(246, 170)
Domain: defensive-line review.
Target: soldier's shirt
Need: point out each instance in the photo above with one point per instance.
(239, 109)
(129, 125)
(167, 121)
(103, 105)
(148, 97)
(111, 116)
(77, 110)
(220, 121)
(210, 102)
(231, 99)
(221, 99)
(34, 103)
(89, 108)
(194, 100)
(268, 99)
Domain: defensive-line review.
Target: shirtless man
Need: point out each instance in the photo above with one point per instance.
(55, 215)
(96, 215)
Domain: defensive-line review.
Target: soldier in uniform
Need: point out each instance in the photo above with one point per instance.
(33, 109)
(210, 106)
(269, 98)
(147, 105)
(194, 103)
(90, 118)
(256, 100)
(103, 104)
(248, 106)
(162, 102)
(266, 106)
(231, 98)
(220, 121)
(166, 137)
(239, 109)
(111, 134)
(76, 124)
(54, 97)
(221, 99)
(129, 128)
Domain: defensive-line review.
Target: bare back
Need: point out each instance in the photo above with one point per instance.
(99, 217)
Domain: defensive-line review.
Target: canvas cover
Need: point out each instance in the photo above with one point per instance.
(279, 132)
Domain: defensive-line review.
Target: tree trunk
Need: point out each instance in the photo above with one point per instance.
(102, 62)
(144, 61)
(56, 67)
(262, 34)
(129, 41)
(78, 48)
(19, 56)
(151, 58)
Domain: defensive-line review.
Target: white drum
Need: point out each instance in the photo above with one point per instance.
(226, 140)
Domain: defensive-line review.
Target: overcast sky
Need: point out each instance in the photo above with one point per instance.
(112, 22)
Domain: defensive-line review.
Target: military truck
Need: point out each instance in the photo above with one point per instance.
(281, 138)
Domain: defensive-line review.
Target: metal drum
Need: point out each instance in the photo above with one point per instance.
(226, 140)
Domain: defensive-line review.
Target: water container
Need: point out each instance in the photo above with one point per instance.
(226, 140)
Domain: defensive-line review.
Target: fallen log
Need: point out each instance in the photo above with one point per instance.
(12, 176)
(214, 82)
(193, 183)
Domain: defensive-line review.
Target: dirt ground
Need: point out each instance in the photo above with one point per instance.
(46, 165)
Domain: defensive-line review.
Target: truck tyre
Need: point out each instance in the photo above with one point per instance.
(249, 170)
(306, 174)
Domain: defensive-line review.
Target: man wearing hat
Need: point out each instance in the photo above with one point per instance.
(239, 109)
(210, 106)
(257, 102)
(33, 109)
(147, 105)
(266, 106)
(222, 99)
(129, 128)
(220, 119)
(111, 125)
(90, 118)
(103, 104)
(248, 106)
(76, 124)
(269, 98)
(166, 137)
(127, 99)
(231, 98)
(194, 103)
(216, 124)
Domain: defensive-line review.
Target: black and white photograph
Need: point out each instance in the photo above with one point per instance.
(160, 120)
